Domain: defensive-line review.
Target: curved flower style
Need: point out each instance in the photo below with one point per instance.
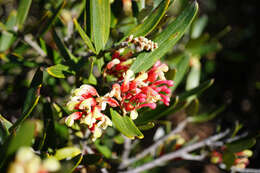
(88, 105)
(144, 90)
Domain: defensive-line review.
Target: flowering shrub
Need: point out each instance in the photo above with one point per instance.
(101, 78)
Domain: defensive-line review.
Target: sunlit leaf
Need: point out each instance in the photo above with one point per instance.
(67, 153)
(23, 9)
(60, 71)
(125, 125)
(99, 22)
(7, 37)
(151, 22)
(166, 39)
(84, 36)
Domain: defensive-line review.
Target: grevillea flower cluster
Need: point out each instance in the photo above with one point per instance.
(88, 105)
(129, 93)
(241, 160)
(28, 162)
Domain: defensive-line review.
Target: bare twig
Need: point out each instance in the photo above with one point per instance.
(245, 170)
(153, 147)
(187, 156)
(127, 150)
(33, 44)
(179, 153)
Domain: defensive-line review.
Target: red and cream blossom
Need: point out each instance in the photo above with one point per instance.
(144, 90)
(88, 107)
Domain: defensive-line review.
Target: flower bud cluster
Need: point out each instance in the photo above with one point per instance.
(241, 160)
(141, 43)
(88, 105)
(27, 161)
(121, 63)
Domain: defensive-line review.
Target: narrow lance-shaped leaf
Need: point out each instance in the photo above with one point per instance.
(23, 10)
(198, 26)
(60, 71)
(99, 22)
(166, 39)
(64, 51)
(7, 37)
(181, 63)
(207, 116)
(194, 74)
(84, 36)
(125, 125)
(32, 98)
(23, 137)
(67, 152)
(151, 22)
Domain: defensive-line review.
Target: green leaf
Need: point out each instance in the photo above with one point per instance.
(241, 145)
(32, 98)
(6, 124)
(125, 125)
(151, 22)
(84, 36)
(23, 137)
(166, 39)
(4, 129)
(229, 159)
(7, 37)
(104, 150)
(193, 77)
(181, 63)
(196, 91)
(205, 48)
(77, 160)
(147, 126)
(119, 139)
(99, 22)
(60, 71)
(67, 153)
(198, 26)
(207, 116)
(23, 10)
(64, 51)
(193, 107)
(49, 134)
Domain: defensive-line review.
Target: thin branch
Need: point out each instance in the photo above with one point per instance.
(33, 44)
(127, 150)
(187, 156)
(245, 170)
(179, 153)
(153, 147)
(229, 140)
